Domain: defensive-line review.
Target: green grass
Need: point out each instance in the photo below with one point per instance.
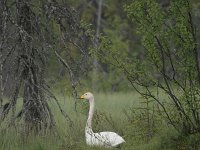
(109, 116)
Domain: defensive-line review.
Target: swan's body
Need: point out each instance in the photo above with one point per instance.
(107, 139)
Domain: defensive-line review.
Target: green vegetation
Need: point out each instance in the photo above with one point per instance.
(107, 105)
(170, 40)
(113, 112)
(140, 58)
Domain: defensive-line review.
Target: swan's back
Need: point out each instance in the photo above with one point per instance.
(113, 138)
(107, 139)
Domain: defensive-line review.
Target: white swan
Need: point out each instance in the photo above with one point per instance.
(107, 139)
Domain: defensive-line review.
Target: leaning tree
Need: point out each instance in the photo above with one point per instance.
(30, 32)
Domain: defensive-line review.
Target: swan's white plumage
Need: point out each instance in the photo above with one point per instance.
(106, 139)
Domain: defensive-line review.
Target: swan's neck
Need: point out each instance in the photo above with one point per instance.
(91, 112)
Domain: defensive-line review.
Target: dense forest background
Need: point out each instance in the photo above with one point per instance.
(143, 51)
(118, 30)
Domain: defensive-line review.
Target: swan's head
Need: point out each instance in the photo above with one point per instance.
(87, 96)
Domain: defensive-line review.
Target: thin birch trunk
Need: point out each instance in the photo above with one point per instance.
(98, 26)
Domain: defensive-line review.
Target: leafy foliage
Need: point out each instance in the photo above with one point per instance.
(172, 66)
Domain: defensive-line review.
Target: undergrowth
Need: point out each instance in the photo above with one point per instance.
(114, 112)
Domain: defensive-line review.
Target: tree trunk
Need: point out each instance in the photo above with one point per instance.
(35, 108)
(98, 26)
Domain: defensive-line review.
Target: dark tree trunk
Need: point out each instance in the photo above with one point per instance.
(35, 108)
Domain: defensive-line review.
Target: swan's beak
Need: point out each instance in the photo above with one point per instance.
(82, 97)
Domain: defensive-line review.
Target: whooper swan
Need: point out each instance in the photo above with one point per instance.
(106, 139)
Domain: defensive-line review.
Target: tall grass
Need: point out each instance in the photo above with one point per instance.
(114, 112)
(108, 116)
